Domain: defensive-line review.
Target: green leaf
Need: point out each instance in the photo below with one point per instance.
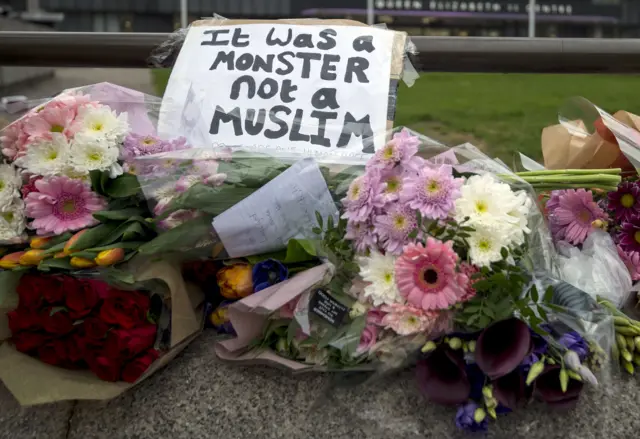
(119, 215)
(489, 312)
(484, 321)
(504, 253)
(183, 237)
(317, 230)
(85, 254)
(298, 250)
(329, 222)
(131, 245)
(543, 313)
(482, 285)
(548, 295)
(319, 220)
(212, 200)
(94, 236)
(473, 319)
(119, 276)
(533, 292)
(413, 234)
(56, 310)
(62, 264)
(123, 186)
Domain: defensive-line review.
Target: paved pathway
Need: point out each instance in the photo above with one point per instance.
(198, 397)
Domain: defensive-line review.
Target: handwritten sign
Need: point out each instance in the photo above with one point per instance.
(299, 87)
(283, 209)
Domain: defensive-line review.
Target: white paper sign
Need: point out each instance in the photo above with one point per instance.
(283, 209)
(310, 89)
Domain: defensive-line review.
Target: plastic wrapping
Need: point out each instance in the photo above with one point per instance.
(93, 334)
(67, 168)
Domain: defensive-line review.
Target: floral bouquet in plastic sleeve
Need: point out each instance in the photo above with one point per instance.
(92, 335)
(67, 170)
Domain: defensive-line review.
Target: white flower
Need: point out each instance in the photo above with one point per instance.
(10, 183)
(102, 123)
(358, 309)
(379, 271)
(46, 156)
(485, 245)
(92, 154)
(12, 221)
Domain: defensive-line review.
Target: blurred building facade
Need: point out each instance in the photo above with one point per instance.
(561, 18)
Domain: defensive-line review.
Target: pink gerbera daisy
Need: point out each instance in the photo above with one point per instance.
(427, 276)
(52, 119)
(572, 213)
(62, 204)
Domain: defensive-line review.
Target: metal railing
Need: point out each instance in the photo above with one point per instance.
(444, 54)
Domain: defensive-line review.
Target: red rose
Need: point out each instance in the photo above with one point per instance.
(127, 343)
(54, 352)
(94, 328)
(100, 287)
(90, 348)
(72, 345)
(22, 319)
(30, 290)
(53, 291)
(29, 341)
(81, 297)
(107, 369)
(57, 323)
(125, 308)
(134, 369)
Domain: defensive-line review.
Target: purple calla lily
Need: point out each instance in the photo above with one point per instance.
(442, 377)
(511, 390)
(548, 389)
(502, 346)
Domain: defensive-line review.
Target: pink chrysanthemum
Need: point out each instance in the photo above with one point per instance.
(363, 235)
(394, 228)
(407, 320)
(432, 191)
(30, 186)
(632, 262)
(363, 196)
(469, 270)
(14, 140)
(52, 119)
(427, 277)
(62, 204)
(572, 214)
(399, 150)
(625, 202)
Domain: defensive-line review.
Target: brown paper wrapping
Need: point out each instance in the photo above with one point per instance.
(397, 59)
(33, 382)
(562, 149)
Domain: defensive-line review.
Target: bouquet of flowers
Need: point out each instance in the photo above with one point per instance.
(82, 336)
(68, 169)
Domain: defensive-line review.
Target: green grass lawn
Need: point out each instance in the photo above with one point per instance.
(501, 113)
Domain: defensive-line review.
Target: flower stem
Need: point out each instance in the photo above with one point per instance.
(614, 171)
(559, 186)
(614, 179)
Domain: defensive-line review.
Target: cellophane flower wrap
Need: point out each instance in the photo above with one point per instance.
(91, 334)
(67, 171)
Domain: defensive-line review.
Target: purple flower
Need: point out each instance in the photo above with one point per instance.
(268, 273)
(432, 191)
(548, 389)
(363, 235)
(394, 227)
(477, 380)
(629, 235)
(465, 418)
(442, 377)
(398, 150)
(363, 196)
(574, 342)
(502, 347)
(136, 145)
(511, 389)
(540, 347)
(571, 215)
(625, 202)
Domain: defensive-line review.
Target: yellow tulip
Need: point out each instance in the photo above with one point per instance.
(12, 260)
(109, 257)
(39, 242)
(78, 262)
(235, 281)
(72, 241)
(32, 257)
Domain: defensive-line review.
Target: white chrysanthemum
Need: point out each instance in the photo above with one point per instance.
(521, 212)
(101, 122)
(379, 271)
(486, 243)
(92, 154)
(358, 309)
(12, 221)
(10, 182)
(46, 156)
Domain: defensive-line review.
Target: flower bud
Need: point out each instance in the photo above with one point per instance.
(77, 262)
(574, 375)
(487, 391)
(32, 257)
(620, 321)
(626, 355)
(72, 241)
(429, 347)
(358, 309)
(535, 371)
(636, 341)
(621, 341)
(631, 344)
(551, 361)
(599, 224)
(455, 343)
(12, 260)
(479, 415)
(39, 242)
(472, 346)
(572, 360)
(492, 412)
(109, 257)
(281, 345)
(628, 367)
(587, 375)
(564, 380)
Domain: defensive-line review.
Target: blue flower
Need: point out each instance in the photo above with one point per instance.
(574, 342)
(465, 418)
(477, 380)
(267, 273)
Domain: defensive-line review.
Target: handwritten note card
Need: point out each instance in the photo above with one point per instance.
(299, 87)
(283, 209)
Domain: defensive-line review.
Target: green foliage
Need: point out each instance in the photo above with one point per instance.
(297, 251)
(123, 186)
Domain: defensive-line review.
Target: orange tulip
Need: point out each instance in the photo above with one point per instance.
(12, 260)
(78, 262)
(109, 257)
(235, 281)
(60, 255)
(38, 242)
(32, 257)
(72, 241)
